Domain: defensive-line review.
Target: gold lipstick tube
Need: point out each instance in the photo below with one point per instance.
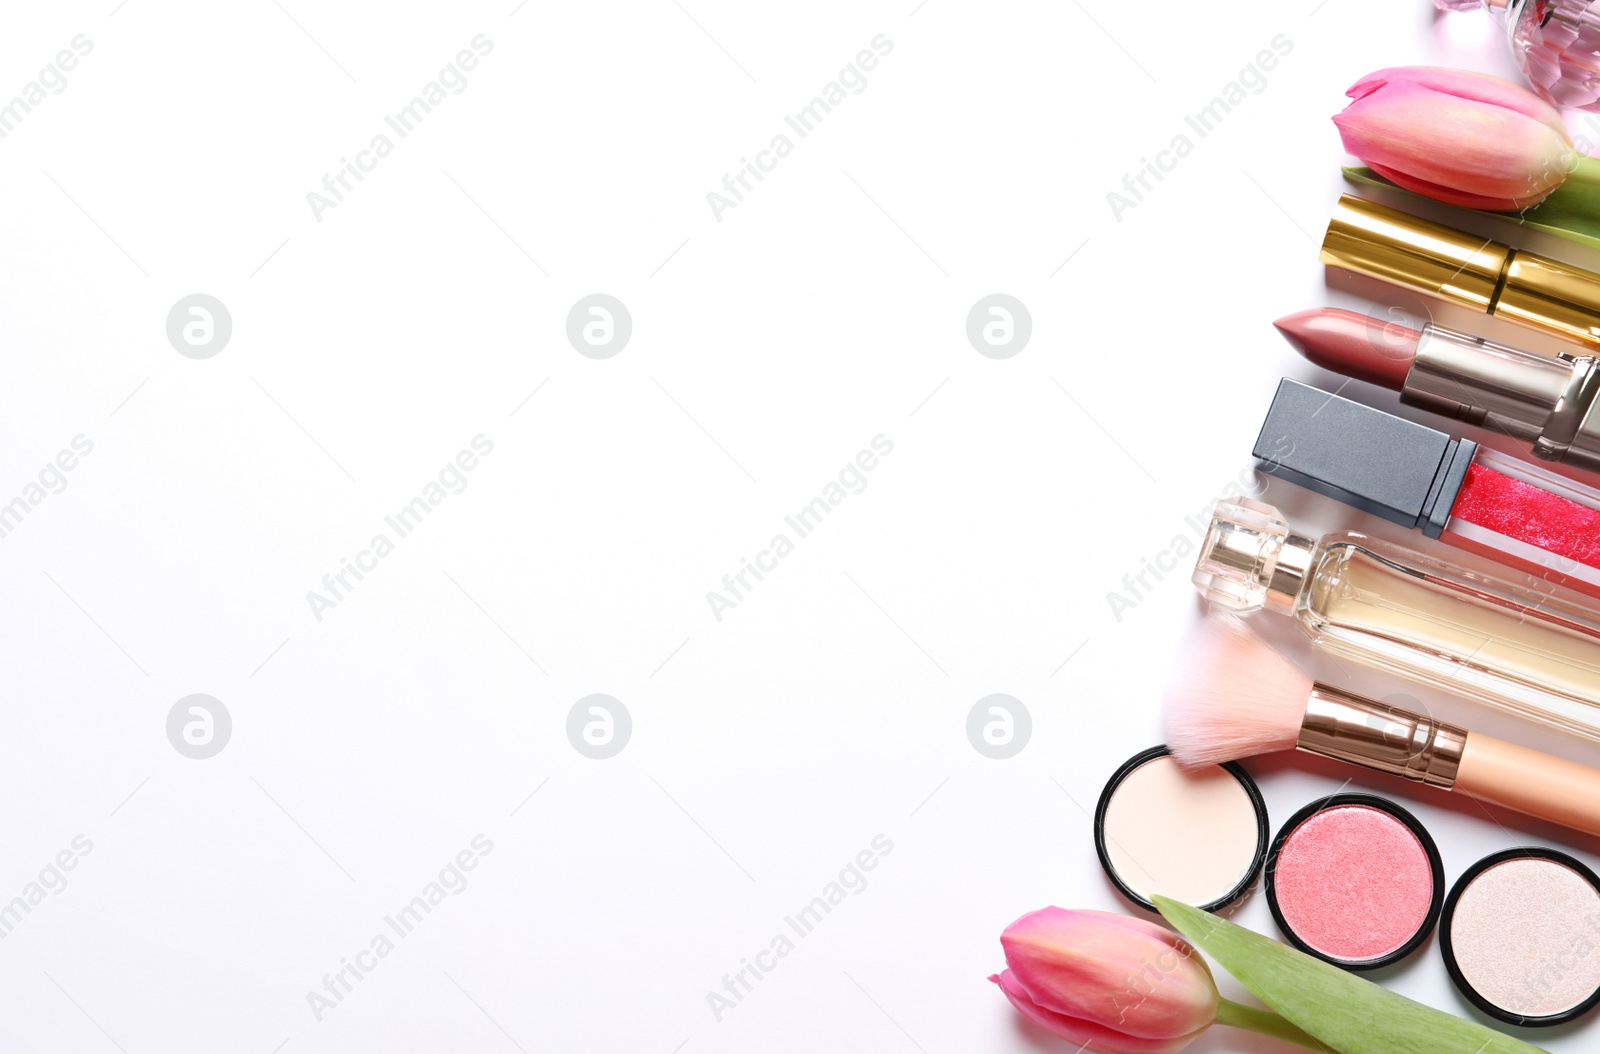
(1479, 273)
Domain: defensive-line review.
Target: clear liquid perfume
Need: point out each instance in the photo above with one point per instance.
(1517, 648)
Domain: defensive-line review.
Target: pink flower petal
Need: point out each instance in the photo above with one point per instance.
(1087, 1035)
(1448, 196)
(1479, 150)
(1464, 84)
(1111, 970)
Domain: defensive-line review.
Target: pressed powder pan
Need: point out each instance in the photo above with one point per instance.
(1195, 835)
(1521, 936)
(1355, 880)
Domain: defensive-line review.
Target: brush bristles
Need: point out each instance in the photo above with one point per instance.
(1232, 696)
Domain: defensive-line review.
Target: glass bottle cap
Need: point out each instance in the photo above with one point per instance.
(1249, 558)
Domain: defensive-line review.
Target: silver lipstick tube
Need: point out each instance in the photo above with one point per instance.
(1549, 401)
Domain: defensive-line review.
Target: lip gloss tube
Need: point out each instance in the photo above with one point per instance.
(1518, 514)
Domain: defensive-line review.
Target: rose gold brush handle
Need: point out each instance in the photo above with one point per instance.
(1348, 727)
(1531, 782)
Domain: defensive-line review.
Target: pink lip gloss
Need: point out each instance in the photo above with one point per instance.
(1519, 514)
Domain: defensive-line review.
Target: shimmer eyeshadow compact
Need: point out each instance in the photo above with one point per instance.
(1355, 880)
(1518, 936)
(1195, 835)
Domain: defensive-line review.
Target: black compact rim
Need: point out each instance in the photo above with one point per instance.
(1234, 769)
(1447, 946)
(1435, 865)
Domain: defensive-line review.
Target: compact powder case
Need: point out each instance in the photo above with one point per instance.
(1519, 934)
(1195, 835)
(1355, 880)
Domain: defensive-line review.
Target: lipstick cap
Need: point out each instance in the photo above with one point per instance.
(1532, 290)
(1388, 244)
(1375, 461)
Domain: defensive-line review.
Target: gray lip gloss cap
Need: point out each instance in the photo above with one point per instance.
(1380, 463)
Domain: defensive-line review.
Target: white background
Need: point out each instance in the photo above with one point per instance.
(769, 346)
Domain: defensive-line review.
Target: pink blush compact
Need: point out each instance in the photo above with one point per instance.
(1355, 880)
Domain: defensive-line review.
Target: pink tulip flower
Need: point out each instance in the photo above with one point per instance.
(1464, 138)
(1118, 985)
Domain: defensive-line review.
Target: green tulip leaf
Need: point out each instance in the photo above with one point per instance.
(1572, 210)
(1342, 1011)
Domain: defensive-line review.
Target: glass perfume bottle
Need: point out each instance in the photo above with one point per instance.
(1515, 648)
(1556, 42)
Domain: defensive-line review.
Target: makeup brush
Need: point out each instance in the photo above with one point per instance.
(1235, 697)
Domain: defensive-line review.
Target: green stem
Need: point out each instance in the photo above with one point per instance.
(1585, 171)
(1263, 1021)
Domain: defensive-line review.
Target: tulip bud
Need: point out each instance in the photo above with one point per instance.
(1112, 984)
(1460, 137)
